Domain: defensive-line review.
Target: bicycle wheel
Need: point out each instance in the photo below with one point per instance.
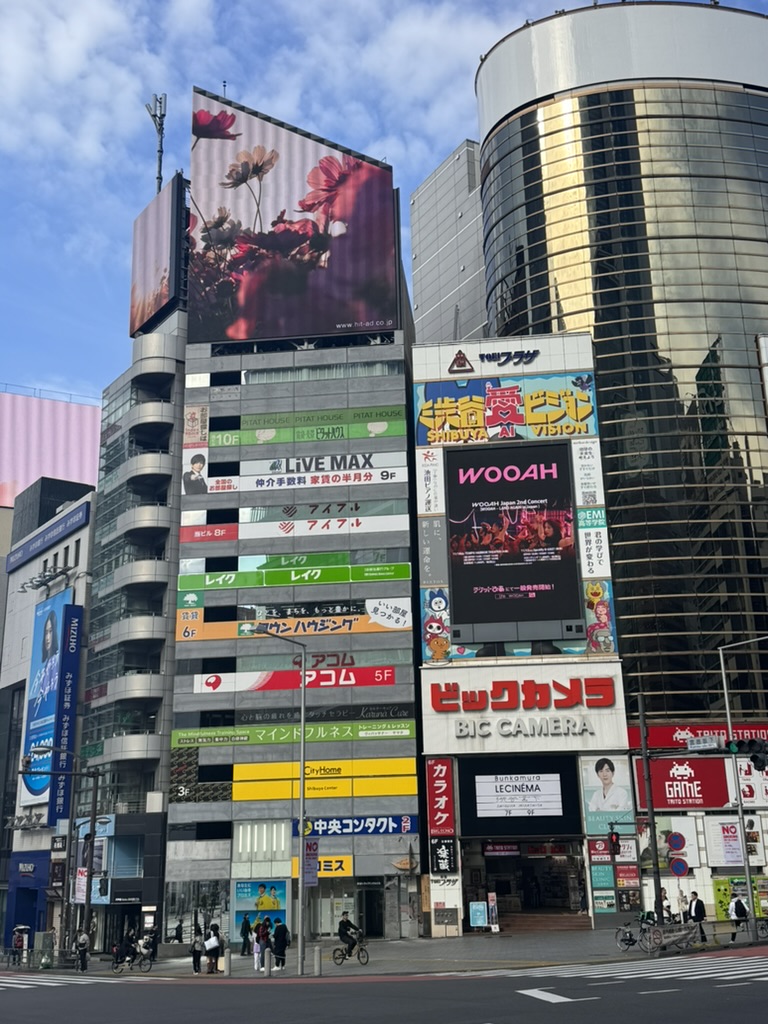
(762, 929)
(362, 955)
(624, 939)
(339, 956)
(117, 967)
(145, 965)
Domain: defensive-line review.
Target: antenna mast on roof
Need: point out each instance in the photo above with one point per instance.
(157, 112)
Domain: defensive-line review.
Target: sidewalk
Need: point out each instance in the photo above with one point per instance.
(435, 956)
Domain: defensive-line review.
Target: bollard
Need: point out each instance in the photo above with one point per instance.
(318, 962)
(267, 962)
(227, 962)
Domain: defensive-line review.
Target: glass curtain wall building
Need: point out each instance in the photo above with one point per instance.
(624, 184)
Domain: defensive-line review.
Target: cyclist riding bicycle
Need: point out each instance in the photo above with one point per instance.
(346, 932)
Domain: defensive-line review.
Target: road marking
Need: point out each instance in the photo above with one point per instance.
(597, 984)
(657, 991)
(552, 997)
(737, 984)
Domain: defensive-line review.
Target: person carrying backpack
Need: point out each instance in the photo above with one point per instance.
(738, 912)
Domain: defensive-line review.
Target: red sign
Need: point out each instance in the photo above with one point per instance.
(501, 849)
(287, 679)
(678, 735)
(682, 783)
(525, 694)
(440, 811)
(627, 876)
(226, 531)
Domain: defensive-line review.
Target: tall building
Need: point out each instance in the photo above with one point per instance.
(294, 560)
(624, 192)
(623, 183)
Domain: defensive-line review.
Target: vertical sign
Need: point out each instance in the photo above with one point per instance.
(64, 725)
(440, 806)
(309, 862)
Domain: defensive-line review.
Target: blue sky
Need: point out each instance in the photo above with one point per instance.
(390, 78)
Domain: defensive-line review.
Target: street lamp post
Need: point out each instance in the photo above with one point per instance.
(87, 773)
(735, 763)
(262, 629)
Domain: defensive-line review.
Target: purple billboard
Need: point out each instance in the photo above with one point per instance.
(155, 273)
(290, 236)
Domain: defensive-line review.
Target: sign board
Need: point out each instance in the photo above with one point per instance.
(310, 862)
(478, 914)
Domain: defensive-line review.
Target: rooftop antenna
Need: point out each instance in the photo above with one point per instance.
(224, 88)
(157, 112)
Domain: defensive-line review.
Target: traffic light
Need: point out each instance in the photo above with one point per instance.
(103, 885)
(614, 843)
(755, 750)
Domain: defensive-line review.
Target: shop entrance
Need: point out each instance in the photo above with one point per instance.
(537, 885)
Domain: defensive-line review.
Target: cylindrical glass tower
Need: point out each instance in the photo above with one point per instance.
(625, 192)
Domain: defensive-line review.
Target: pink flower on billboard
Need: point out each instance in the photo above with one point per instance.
(330, 268)
(206, 125)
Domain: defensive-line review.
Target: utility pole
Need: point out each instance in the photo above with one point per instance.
(157, 112)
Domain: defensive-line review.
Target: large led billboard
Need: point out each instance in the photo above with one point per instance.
(511, 537)
(157, 252)
(290, 236)
(51, 698)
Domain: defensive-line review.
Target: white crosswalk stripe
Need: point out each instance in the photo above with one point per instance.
(26, 980)
(697, 967)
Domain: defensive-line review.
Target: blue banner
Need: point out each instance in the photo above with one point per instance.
(372, 825)
(43, 695)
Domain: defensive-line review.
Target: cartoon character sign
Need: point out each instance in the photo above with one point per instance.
(435, 625)
(601, 636)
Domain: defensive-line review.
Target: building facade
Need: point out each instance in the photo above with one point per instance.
(623, 194)
(40, 679)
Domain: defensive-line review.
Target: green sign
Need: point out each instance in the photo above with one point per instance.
(318, 732)
(92, 749)
(591, 518)
(313, 425)
(296, 577)
(190, 599)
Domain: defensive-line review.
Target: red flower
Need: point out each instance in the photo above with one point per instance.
(213, 126)
(336, 185)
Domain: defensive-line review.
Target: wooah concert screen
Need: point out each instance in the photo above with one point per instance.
(511, 533)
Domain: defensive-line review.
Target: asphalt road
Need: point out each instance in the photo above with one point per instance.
(699, 988)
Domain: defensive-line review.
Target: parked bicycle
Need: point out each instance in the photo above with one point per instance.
(647, 939)
(142, 960)
(340, 954)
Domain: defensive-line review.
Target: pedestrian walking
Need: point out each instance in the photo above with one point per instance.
(152, 940)
(17, 945)
(245, 935)
(281, 939)
(212, 947)
(738, 912)
(698, 912)
(197, 949)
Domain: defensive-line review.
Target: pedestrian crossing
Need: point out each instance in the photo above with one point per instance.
(728, 966)
(27, 980)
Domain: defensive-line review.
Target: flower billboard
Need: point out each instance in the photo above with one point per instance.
(289, 235)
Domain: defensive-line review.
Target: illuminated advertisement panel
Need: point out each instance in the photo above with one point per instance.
(289, 235)
(155, 274)
(43, 699)
(511, 538)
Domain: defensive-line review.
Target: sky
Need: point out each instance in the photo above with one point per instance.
(393, 79)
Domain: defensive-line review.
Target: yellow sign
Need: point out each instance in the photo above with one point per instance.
(324, 770)
(330, 866)
(361, 777)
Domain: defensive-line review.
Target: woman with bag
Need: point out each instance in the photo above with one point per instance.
(197, 948)
(265, 942)
(212, 945)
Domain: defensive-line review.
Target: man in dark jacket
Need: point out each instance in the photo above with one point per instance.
(245, 935)
(281, 939)
(347, 932)
(697, 912)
